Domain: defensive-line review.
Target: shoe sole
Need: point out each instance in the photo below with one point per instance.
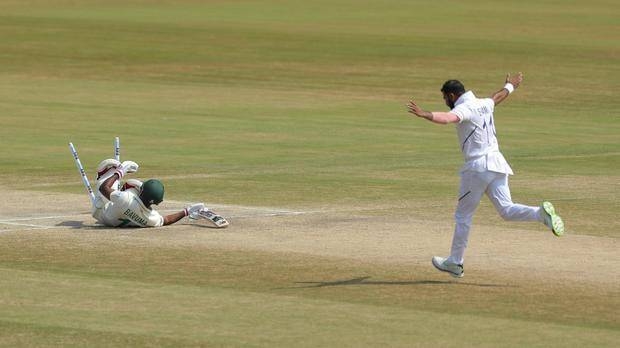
(556, 221)
(444, 270)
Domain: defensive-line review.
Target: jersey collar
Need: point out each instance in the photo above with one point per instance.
(465, 97)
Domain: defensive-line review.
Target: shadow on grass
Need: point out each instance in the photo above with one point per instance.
(72, 224)
(80, 225)
(366, 281)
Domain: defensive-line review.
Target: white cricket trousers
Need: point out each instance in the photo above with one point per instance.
(100, 204)
(473, 186)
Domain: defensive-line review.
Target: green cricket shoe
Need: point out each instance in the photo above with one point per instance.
(551, 219)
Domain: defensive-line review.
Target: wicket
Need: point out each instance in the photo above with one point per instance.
(78, 164)
(117, 149)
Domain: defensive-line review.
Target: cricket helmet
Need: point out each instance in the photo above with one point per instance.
(152, 192)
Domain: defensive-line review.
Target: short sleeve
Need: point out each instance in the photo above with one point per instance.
(155, 219)
(462, 112)
(117, 196)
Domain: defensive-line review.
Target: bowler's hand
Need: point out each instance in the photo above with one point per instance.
(515, 80)
(416, 110)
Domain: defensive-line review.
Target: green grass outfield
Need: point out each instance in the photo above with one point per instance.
(299, 105)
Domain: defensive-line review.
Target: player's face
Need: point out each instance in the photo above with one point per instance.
(449, 99)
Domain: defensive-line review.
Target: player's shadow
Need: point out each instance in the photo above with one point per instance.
(365, 281)
(72, 224)
(79, 225)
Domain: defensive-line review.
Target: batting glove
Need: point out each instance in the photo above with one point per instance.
(194, 208)
(106, 166)
(126, 168)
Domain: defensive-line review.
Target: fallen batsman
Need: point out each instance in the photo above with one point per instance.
(131, 204)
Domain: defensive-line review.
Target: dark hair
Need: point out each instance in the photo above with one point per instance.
(453, 86)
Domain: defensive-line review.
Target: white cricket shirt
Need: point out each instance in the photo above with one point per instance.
(125, 209)
(477, 137)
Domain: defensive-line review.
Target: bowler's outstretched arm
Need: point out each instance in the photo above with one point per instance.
(435, 116)
(511, 82)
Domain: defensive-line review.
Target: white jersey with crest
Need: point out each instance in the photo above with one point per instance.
(477, 137)
(125, 209)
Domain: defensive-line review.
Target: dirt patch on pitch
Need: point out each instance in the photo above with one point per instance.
(389, 235)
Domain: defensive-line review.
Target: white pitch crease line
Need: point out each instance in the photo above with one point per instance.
(27, 225)
(24, 229)
(262, 211)
(40, 218)
(265, 214)
(250, 212)
(281, 213)
(232, 206)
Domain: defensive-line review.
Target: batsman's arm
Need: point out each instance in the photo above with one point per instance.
(512, 82)
(106, 187)
(172, 218)
(175, 217)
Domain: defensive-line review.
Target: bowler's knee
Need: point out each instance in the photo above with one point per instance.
(463, 218)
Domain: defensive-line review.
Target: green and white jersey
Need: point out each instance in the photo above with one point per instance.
(125, 209)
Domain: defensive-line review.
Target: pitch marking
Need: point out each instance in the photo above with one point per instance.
(238, 212)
